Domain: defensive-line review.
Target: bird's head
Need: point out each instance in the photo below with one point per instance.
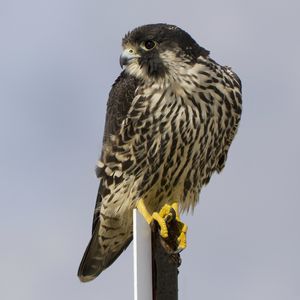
(158, 50)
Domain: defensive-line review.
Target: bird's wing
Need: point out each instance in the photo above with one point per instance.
(94, 261)
(235, 91)
(118, 106)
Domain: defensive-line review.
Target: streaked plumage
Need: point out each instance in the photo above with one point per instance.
(171, 117)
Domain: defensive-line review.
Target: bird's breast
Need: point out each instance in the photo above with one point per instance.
(174, 134)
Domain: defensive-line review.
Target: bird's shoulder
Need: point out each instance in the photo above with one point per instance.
(119, 102)
(226, 73)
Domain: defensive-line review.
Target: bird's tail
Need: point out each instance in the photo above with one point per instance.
(96, 259)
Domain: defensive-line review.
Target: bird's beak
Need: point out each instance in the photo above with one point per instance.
(127, 55)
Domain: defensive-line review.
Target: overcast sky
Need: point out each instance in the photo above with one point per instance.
(58, 60)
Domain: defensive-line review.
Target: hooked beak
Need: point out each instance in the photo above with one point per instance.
(126, 56)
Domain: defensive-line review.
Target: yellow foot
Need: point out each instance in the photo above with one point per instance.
(182, 237)
(182, 228)
(166, 215)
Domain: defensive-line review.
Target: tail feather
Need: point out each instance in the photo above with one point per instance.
(94, 261)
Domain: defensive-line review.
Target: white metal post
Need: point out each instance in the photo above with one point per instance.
(142, 258)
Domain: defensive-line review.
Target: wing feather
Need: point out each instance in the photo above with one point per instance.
(118, 106)
(94, 261)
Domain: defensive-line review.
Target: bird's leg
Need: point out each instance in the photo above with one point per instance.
(144, 211)
(161, 218)
(167, 214)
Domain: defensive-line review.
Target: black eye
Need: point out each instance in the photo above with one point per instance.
(149, 44)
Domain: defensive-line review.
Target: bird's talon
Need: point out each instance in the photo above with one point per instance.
(165, 216)
(162, 224)
(181, 241)
(171, 215)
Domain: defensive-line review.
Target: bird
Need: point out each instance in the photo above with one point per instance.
(171, 117)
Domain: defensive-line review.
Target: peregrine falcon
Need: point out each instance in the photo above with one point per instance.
(171, 117)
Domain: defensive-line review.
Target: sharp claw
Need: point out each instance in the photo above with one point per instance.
(163, 226)
(171, 215)
(167, 214)
(177, 251)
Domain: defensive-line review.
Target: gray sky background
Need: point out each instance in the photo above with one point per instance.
(58, 60)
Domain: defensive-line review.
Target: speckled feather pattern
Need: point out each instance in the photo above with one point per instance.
(175, 134)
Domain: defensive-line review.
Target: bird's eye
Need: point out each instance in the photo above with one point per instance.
(148, 45)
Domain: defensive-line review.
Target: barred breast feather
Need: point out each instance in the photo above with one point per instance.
(163, 140)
